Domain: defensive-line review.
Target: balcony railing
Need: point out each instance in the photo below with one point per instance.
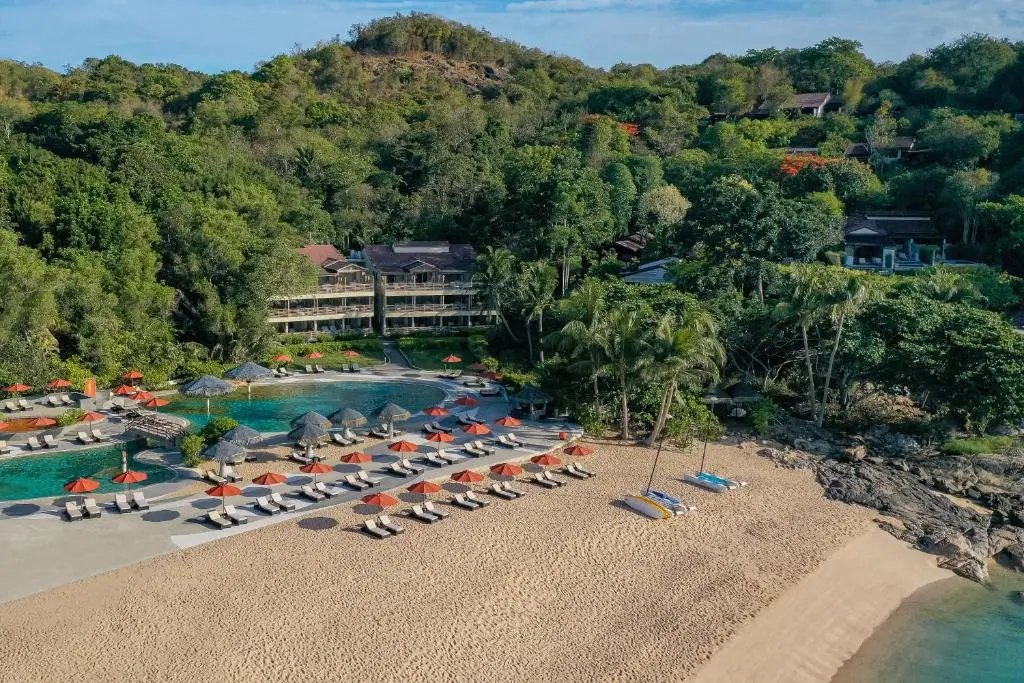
(346, 287)
(428, 308)
(460, 285)
(312, 311)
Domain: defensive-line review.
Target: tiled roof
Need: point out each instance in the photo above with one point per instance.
(810, 99)
(405, 255)
(890, 225)
(319, 254)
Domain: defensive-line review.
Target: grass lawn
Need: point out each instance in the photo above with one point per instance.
(333, 359)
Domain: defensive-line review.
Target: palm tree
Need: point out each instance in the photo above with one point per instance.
(537, 293)
(582, 335)
(494, 276)
(806, 305)
(687, 354)
(847, 302)
(625, 344)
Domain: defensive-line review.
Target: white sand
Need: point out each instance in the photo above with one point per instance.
(806, 635)
(563, 585)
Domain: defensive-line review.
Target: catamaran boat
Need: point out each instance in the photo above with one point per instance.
(657, 505)
(675, 505)
(713, 482)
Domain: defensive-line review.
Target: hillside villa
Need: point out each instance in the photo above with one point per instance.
(892, 241)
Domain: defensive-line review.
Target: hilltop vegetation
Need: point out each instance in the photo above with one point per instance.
(147, 211)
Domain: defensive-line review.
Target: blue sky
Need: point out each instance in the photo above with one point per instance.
(214, 35)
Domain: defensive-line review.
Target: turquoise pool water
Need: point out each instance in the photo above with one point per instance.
(40, 476)
(272, 407)
(960, 634)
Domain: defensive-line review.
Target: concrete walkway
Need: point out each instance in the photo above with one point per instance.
(42, 551)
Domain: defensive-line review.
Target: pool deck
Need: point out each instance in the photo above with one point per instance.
(42, 550)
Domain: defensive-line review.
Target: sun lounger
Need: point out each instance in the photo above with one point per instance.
(395, 468)
(318, 368)
(572, 472)
(328, 491)
(508, 487)
(213, 477)
(50, 441)
(72, 511)
(502, 493)
(264, 505)
(308, 492)
(417, 512)
(470, 449)
(24, 404)
(370, 527)
(379, 433)
(67, 400)
(300, 458)
(512, 438)
(139, 500)
(4, 448)
(356, 367)
(98, 435)
(308, 369)
(362, 476)
(582, 470)
(464, 420)
(555, 480)
(407, 464)
(435, 510)
(51, 401)
(461, 501)
(448, 457)
(337, 438)
(386, 522)
(214, 518)
(355, 483)
(231, 475)
(10, 407)
(435, 460)
(280, 502)
(33, 443)
(472, 497)
(537, 479)
(440, 428)
(480, 445)
(84, 438)
(506, 442)
(92, 510)
(429, 428)
(352, 436)
(232, 513)
(121, 503)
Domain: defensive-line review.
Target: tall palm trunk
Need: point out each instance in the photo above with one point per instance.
(811, 392)
(540, 332)
(624, 385)
(666, 403)
(529, 339)
(820, 419)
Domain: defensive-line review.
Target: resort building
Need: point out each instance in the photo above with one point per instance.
(900, 148)
(341, 301)
(652, 273)
(424, 285)
(890, 241)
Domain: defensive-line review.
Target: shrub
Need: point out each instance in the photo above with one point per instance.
(977, 445)
(216, 428)
(191, 447)
(763, 415)
(70, 417)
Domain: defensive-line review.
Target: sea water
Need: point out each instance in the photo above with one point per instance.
(951, 632)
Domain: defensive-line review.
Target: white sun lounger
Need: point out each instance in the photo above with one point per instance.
(480, 445)
(407, 464)
(300, 458)
(355, 483)
(264, 505)
(98, 435)
(352, 436)
(472, 450)
(472, 497)
(502, 493)
(440, 428)
(67, 400)
(554, 480)
(231, 475)
(504, 441)
(285, 505)
(91, 508)
(308, 492)
(328, 491)
(362, 476)
(337, 438)
(386, 522)
(25, 405)
(4, 448)
(417, 512)
(508, 487)
(318, 368)
(435, 510)
(464, 502)
(537, 479)
(11, 407)
(121, 503)
(435, 460)
(370, 527)
(214, 518)
(84, 438)
(448, 457)
(49, 441)
(572, 472)
(72, 512)
(583, 470)
(395, 468)
(213, 477)
(33, 443)
(139, 500)
(234, 515)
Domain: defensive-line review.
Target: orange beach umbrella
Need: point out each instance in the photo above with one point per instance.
(282, 358)
(16, 388)
(132, 374)
(477, 429)
(58, 384)
(125, 390)
(507, 421)
(315, 468)
(156, 403)
(143, 396)
(435, 411)
(403, 447)
(466, 401)
(81, 485)
(577, 451)
(506, 469)
(546, 459)
(270, 479)
(451, 359)
(424, 487)
(92, 417)
(314, 355)
(381, 500)
(355, 458)
(41, 422)
(129, 477)
(350, 354)
(223, 491)
(467, 477)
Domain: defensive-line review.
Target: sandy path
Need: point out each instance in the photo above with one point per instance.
(564, 585)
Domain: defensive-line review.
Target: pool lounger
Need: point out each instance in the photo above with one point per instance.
(464, 503)
(214, 478)
(328, 491)
(264, 505)
(139, 500)
(362, 476)
(573, 472)
(72, 512)
(308, 492)
(299, 458)
(214, 518)
(508, 487)
(472, 497)
(370, 527)
(417, 512)
(395, 468)
(352, 436)
(232, 513)
(554, 480)
(407, 464)
(498, 491)
(434, 510)
(355, 483)
(537, 479)
(91, 509)
(121, 503)
(285, 505)
(435, 460)
(386, 522)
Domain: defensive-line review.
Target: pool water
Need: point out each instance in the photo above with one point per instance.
(40, 476)
(271, 408)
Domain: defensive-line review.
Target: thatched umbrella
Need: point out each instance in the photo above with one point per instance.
(390, 413)
(248, 373)
(224, 452)
(308, 435)
(312, 418)
(207, 386)
(347, 417)
(243, 436)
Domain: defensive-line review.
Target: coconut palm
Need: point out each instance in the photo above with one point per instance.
(687, 354)
(536, 294)
(625, 344)
(494, 278)
(581, 338)
(807, 306)
(846, 302)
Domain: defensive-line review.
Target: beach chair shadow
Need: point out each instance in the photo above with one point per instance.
(205, 503)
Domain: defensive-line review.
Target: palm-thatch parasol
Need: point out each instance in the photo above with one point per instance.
(390, 413)
(248, 373)
(531, 396)
(207, 386)
(312, 418)
(308, 435)
(243, 436)
(224, 452)
(347, 417)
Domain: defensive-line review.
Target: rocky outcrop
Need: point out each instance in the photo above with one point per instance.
(792, 460)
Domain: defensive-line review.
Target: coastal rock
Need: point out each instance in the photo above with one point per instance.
(792, 460)
(1014, 555)
(884, 442)
(855, 453)
(816, 446)
(968, 568)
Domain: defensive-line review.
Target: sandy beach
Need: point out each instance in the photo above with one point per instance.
(566, 585)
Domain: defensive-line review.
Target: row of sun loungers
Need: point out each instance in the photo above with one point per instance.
(346, 438)
(48, 442)
(138, 502)
(381, 432)
(353, 367)
(382, 527)
(227, 517)
(477, 449)
(509, 440)
(52, 400)
(92, 436)
(404, 468)
(313, 369)
(450, 374)
(89, 509)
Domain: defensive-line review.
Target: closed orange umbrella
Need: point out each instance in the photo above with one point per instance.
(507, 421)
(381, 500)
(357, 457)
(467, 477)
(223, 491)
(81, 485)
(466, 401)
(576, 450)
(41, 422)
(546, 459)
(156, 403)
(315, 468)
(493, 376)
(16, 388)
(58, 384)
(403, 447)
(506, 469)
(132, 374)
(424, 487)
(270, 479)
(435, 411)
(314, 355)
(477, 429)
(92, 417)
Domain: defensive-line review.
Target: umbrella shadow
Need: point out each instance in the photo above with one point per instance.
(455, 487)
(206, 503)
(160, 516)
(300, 480)
(347, 467)
(364, 509)
(76, 498)
(21, 509)
(317, 523)
(409, 497)
(532, 467)
(256, 491)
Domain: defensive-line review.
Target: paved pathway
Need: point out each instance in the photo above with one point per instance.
(393, 355)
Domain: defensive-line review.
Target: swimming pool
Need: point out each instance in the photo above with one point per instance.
(40, 476)
(272, 407)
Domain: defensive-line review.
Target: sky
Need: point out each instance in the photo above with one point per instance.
(217, 35)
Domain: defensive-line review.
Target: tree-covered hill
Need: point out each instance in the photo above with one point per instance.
(148, 211)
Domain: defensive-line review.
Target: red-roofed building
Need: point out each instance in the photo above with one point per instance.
(342, 301)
